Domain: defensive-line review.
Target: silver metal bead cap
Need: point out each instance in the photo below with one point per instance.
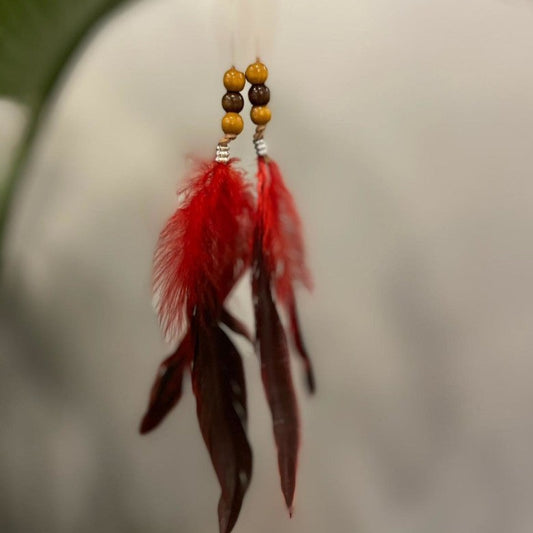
(222, 155)
(260, 147)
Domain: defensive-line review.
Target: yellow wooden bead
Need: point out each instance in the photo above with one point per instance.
(256, 73)
(234, 80)
(232, 123)
(260, 115)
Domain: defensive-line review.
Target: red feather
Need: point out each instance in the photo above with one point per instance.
(203, 250)
(204, 247)
(283, 242)
(283, 249)
(279, 263)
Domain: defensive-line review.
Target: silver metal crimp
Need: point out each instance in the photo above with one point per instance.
(260, 147)
(222, 154)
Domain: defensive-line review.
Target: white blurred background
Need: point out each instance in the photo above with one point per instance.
(405, 130)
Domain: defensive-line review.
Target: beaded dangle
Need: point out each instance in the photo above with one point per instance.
(202, 252)
(278, 263)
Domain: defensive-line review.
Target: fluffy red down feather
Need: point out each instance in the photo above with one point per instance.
(204, 247)
(283, 242)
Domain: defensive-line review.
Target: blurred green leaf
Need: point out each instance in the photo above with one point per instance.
(37, 40)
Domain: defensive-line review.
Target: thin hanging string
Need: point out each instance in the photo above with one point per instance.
(245, 29)
(263, 25)
(227, 26)
(233, 30)
(259, 131)
(228, 137)
(233, 48)
(257, 45)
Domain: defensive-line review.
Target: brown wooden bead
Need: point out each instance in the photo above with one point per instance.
(257, 73)
(233, 102)
(232, 123)
(234, 80)
(259, 95)
(260, 115)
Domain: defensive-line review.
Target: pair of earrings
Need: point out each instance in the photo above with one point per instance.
(219, 231)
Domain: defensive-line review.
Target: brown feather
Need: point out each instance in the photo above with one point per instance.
(220, 390)
(166, 390)
(276, 376)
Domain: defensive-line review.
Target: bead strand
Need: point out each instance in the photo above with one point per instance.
(232, 103)
(259, 93)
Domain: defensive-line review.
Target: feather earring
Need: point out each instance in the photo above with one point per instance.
(202, 252)
(278, 263)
